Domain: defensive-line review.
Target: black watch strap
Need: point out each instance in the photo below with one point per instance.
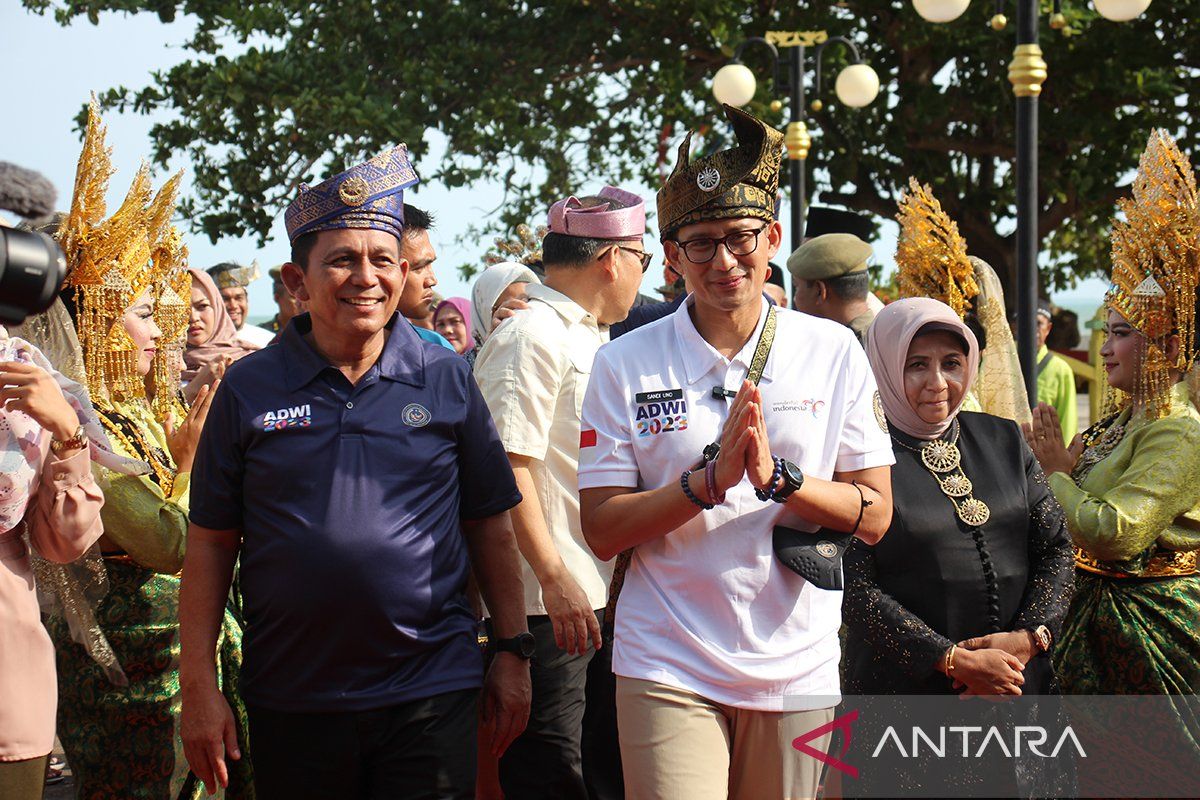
(793, 479)
(523, 645)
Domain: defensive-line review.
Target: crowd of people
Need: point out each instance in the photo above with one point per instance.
(559, 540)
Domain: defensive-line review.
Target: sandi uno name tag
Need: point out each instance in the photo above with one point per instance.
(662, 411)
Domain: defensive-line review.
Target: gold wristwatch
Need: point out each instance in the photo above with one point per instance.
(1042, 638)
(77, 442)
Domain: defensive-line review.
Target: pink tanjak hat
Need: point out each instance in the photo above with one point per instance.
(601, 221)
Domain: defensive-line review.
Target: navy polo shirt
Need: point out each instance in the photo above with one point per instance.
(349, 499)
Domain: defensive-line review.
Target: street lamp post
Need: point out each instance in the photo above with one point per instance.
(1026, 72)
(856, 86)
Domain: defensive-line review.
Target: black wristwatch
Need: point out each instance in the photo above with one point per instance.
(521, 645)
(793, 479)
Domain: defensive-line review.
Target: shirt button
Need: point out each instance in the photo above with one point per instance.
(350, 404)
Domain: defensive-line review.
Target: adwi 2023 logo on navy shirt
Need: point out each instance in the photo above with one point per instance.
(294, 417)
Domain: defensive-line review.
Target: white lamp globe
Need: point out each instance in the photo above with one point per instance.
(941, 10)
(857, 85)
(734, 84)
(1121, 10)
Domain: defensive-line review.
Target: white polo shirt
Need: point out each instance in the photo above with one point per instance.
(709, 608)
(533, 372)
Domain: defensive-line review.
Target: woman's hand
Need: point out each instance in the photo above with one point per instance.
(1046, 440)
(987, 672)
(182, 441)
(33, 390)
(1017, 643)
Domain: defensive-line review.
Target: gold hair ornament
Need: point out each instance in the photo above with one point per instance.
(1156, 266)
(930, 253)
(525, 247)
(114, 261)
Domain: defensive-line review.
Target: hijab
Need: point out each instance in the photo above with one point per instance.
(487, 290)
(222, 342)
(888, 341)
(463, 305)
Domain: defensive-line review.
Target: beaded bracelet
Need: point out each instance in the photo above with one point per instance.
(687, 490)
(776, 474)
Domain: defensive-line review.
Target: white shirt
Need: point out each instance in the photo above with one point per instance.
(533, 372)
(708, 608)
(255, 336)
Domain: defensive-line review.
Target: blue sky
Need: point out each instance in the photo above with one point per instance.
(50, 72)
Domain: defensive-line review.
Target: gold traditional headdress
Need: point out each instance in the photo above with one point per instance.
(742, 181)
(172, 312)
(1156, 264)
(931, 254)
(233, 276)
(115, 260)
(525, 247)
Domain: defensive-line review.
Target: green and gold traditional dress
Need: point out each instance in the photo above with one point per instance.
(121, 734)
(1132, 501)
(123, 741)
(1133, 510)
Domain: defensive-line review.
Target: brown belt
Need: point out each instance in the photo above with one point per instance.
(1163, 564)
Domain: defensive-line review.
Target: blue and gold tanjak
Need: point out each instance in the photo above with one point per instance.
(369, 195)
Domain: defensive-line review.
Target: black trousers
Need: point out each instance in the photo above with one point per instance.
(601, 747)
(545, 761)
(421, 750)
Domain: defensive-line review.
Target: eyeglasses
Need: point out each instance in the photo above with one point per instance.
(738, 243)
(642, 254)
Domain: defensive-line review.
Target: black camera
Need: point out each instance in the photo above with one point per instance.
(32, 267)
(32, 264)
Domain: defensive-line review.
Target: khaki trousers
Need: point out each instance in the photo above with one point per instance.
(675, 745)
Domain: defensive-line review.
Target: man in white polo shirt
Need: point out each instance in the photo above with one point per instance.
(723, 655)
(533, 372)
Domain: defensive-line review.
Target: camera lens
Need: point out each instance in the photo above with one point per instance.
(31, 268)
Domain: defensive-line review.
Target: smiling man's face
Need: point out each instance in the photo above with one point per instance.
(352, 281)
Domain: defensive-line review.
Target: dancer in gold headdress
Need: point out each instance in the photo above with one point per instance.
(1129, 484)
(129, 269)
(933, 261)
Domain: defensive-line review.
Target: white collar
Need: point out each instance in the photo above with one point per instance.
(699, 357)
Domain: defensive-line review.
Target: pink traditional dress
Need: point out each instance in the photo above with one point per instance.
(57, 503)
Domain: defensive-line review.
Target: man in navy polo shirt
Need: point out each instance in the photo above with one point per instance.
(357, 470)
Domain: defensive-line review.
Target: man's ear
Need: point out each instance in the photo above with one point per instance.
(608, 261)
(293, 278)
(822, 291)
(774, 238)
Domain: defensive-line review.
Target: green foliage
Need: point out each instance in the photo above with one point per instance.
(543, 96)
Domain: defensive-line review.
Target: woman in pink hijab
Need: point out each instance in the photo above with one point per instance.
(212, 340)
(452, 319)
(968, 589)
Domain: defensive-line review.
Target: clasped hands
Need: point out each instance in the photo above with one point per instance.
(745, 449)
(1045, 439)
(991, 666)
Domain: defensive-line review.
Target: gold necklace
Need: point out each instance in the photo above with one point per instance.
(1098, 441)
(944, 461)
(127, 432)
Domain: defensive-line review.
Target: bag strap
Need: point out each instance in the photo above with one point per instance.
(758, 362)
(1041, 365)
(763, 349)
